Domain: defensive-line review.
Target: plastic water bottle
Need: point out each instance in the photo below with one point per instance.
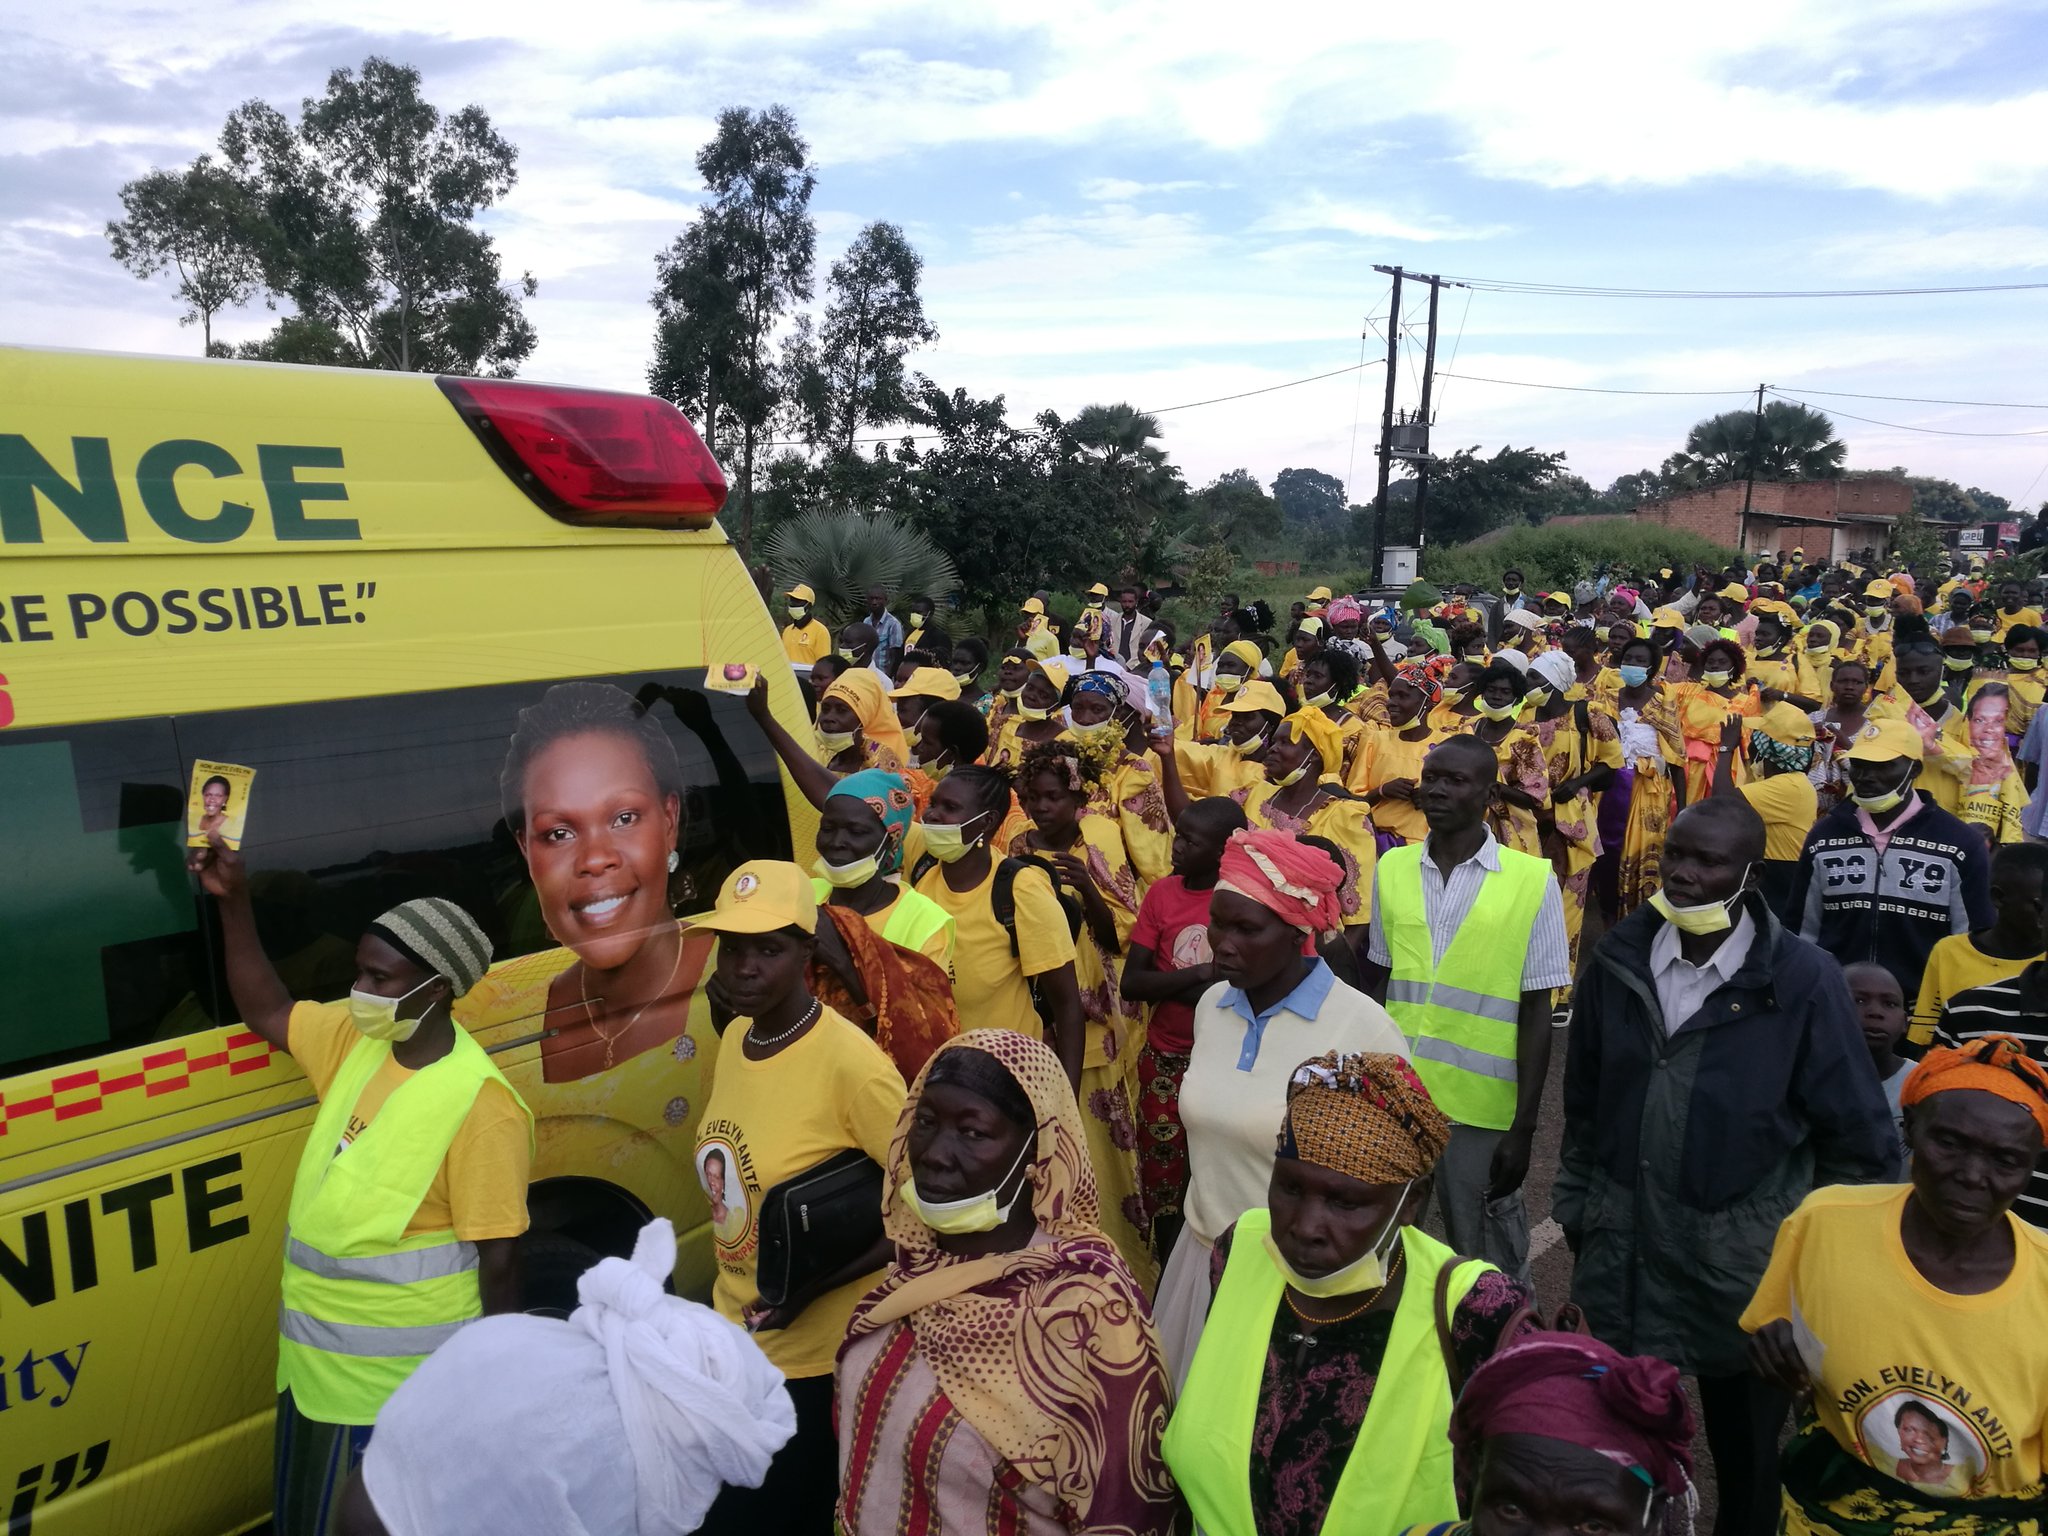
(1161, 686)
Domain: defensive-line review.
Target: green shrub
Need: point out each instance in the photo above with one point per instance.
(1558, 557)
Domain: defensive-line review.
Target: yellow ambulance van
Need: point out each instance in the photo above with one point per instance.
(344, 587)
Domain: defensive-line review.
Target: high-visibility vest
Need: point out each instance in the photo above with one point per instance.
(363, 1303)
(1461, 1028)
(913, 918)
(1398, 1473)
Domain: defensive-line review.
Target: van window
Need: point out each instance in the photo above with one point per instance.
(357, 805)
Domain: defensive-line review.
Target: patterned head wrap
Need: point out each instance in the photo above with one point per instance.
(1996, 1064)
(1105, 683)
(1366, 1116)
(888, 796)
(1564, 1386)
(1343, 610)
(1419, 676)
(1002, 1346)
(1276, 871)
(439, 936)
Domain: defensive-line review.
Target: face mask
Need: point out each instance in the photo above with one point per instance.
(1012, 694)
(846, 654)
(798, 612)
(1889, 800)
(946, 843)
(976, 1213)
(1536, 698)
(966, 674)
(835, 742)
(1983, 636)
(377, 1016)
(1031, 711)
(1877, 615)
(1511, 587)
(1099, 731)
(1229, 682)
(2023, 663)
(1497, 711)
(1299, 772)
(1710, 917)
(1716, 677)
(1094, 605)
(1633, 677)
(1770, 650)
(1363, 1273)
(1321, 700)
(1249, 745)
(1958, 663)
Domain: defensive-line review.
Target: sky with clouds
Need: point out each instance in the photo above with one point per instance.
(1164, 203)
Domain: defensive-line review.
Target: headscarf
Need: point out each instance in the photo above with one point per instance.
(628, 1417)
(1364, 1115)
(1107, 684)
(1421, 677)
(1343, 610)
(1245, 652)
(1433, 637)
(1825, 627)
(861, 689)
(888, 796)
(1564, 1386)
(1053, 1359)
(1321, 733)
(1996, 1064)
(1280, 874)
(907, 1003)
(1556, 669)
(440, 937)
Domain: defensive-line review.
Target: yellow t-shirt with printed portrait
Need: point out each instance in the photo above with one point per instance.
(1947, 1393)
(989, 983)
(765, 1123)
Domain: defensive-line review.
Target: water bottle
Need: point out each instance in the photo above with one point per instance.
(1161, 686)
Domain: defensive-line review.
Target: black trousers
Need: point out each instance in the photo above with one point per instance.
(802, 1487)
(1743, 1416)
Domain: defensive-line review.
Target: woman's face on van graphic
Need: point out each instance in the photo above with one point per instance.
(597, 839)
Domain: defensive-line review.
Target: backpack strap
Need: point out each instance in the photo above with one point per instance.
(1455, 1376)
(924, 866)
(1583, 715)
(1002, 898)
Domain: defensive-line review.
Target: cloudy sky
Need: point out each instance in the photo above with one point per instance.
(1164, 203)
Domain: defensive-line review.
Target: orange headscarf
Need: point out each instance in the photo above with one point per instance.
(861, 689)
(1996, 1064)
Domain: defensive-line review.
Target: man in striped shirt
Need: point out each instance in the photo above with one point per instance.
(2016, 1006)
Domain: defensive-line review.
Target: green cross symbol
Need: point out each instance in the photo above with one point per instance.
(65, 894)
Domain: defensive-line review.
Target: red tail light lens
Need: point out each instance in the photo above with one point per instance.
(594, 456)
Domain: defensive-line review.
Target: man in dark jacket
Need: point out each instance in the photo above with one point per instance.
(1888, 874)
(1716, 1075)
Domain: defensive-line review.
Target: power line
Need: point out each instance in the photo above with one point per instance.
(1247, 394)
(1587, 389)
(1902, 426)
(1456, 342)
(1578, 291)
(2001, 405)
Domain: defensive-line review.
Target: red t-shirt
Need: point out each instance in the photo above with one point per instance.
(1173, 922)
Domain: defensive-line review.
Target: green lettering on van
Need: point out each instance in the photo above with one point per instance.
(66, 894)
(93, 504)
(288, 494)
(156, 478)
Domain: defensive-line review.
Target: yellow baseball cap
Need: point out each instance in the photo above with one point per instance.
(1319, 595)
(928, 683)
(1883, 589)
(1887, 742)
(1098, 590)
(1256, 694)
(1031, 605)
(1787, 723)
(1734, 592)
(762, 896)
(802, 593)
(1667, 618)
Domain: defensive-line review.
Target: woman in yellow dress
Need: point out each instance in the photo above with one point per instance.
(1389, 763)
(1038, 718)
(1012, 673)
(1228, 767)
(1648, 790)
(1057, 782)
(1454, 713)
(1107, 719)
(1237, 665)
(1328, 678)
(1582, 753)
(1777, 665)
(1704, 706)
(1302, 794)
(1819, 651)
(1524, 787)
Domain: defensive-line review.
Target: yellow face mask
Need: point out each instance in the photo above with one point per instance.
(1709, 917)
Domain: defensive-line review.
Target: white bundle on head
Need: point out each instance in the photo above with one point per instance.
(1514, 659)
(625, 1420)
(1556, 669)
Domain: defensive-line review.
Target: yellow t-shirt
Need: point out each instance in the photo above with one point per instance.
(480, 1190)
(1954, 964)
(2006, 621)
(988, 981)
(806, 642)
(1883, 1337)
(1789, 806)
(765, 1123)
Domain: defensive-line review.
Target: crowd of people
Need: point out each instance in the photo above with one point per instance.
(1148, 1000)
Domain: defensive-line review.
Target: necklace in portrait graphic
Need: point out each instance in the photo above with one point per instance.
(610, 1038)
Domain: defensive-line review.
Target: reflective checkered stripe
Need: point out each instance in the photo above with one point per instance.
(89, 1090)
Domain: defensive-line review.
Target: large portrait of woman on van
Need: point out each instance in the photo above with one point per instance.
(593, 794)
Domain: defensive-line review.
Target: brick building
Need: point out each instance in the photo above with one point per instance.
(1826, 518)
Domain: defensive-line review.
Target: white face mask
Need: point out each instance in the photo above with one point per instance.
(976, 1213)
(1363, 1273)
(377, 1016)
(1248, 745)
(1716, 677)
(798, 612)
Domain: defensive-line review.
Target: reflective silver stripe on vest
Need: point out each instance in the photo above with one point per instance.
(1457, 999)
(361, 1338)
(407, 1267)
(1479, 1063)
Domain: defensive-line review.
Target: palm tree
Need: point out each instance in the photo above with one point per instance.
(1795, 443)
(842, 554)
(1122, 442)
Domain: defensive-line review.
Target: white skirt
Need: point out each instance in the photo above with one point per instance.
(1182, 1305)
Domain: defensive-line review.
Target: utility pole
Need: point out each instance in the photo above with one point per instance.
(1379, 506)
(1756, 432)
(1428, 377)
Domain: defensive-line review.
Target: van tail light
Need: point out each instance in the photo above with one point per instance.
(592, 455)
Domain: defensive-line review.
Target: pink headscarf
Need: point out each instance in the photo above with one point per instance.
(1275, 870)
(1340, 610)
